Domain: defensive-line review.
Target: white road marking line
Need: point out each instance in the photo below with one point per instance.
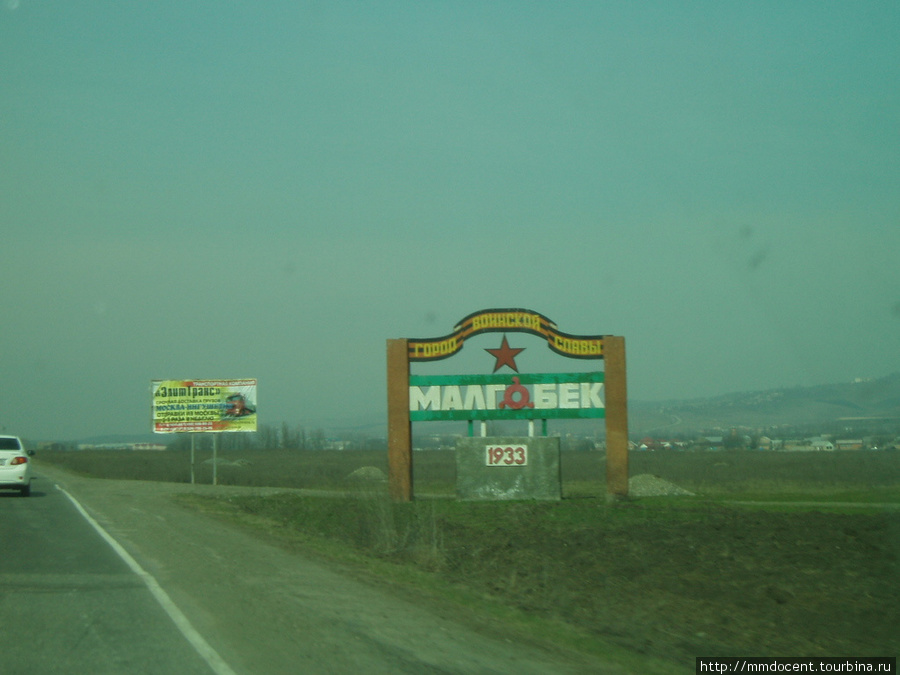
(190, 633)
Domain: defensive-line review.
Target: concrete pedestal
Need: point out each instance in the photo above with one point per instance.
(508, 467)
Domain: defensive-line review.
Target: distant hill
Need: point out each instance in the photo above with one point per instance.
(863, 404)
(868, 404)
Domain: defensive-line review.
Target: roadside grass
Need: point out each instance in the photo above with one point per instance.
(650, 582)
(258, 468)
(404, 547)
(879, 494)
(736, 474)
(834, 476)
(507, 566)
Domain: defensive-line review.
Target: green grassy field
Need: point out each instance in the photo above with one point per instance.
(654, 581)
(858, 476)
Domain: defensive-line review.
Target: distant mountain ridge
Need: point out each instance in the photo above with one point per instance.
(865, 403)
(870, 402)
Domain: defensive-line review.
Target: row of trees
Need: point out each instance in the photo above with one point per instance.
(267, 437)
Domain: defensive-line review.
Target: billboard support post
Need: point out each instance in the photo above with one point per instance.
(215, 459)
(203, 406)
(616, 418)
(399, 425)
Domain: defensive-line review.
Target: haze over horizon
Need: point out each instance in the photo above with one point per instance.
(230, 190)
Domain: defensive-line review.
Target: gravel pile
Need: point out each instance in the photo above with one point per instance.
(369, 474)
(648, 485)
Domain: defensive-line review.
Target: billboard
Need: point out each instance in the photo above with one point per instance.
(203, 405)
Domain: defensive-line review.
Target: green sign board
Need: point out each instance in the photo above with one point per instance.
(506, 397)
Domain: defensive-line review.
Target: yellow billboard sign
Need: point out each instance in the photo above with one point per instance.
(203, 405)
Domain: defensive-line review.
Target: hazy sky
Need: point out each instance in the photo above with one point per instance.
(232, 189)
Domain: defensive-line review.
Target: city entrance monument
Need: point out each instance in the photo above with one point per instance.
(502, 396)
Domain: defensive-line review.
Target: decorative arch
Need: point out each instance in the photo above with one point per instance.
(609, 348)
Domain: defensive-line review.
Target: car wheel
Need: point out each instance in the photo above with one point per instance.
(26, 490)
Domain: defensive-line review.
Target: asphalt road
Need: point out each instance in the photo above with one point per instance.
(202, 596)
(70, 604)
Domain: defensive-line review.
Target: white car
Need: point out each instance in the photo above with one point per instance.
(15, 466)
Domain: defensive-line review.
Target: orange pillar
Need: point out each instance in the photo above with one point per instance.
(399, 426)
(616, 417)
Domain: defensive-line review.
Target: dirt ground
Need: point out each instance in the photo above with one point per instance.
(716, 581)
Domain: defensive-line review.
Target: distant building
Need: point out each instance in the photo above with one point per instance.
(849, 444)
(820, 443)
(148, 446)
(121, 446)
(714, 442)
(796, 446)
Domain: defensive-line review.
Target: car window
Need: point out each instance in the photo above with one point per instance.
(10, 444)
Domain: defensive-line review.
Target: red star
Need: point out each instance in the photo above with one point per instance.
(506, 355)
